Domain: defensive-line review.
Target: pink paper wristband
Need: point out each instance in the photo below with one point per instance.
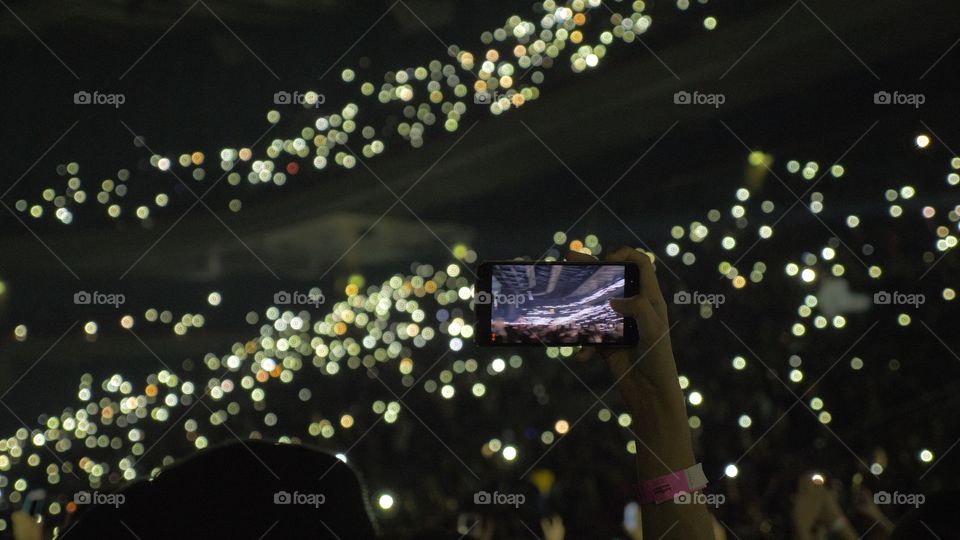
(668, 486)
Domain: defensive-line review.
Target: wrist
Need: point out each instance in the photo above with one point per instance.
(664, 451)
(658, 461)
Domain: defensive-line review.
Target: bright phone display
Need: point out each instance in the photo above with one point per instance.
(554, 303)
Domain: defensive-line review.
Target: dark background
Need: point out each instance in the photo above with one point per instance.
(804, 91)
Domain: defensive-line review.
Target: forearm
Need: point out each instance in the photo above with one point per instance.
(665, 446)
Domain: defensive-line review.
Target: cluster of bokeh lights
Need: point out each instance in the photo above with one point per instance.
(389, 325)
(383, 327)
(506, 75)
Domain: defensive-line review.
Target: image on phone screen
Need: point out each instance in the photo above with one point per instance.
(554, 303)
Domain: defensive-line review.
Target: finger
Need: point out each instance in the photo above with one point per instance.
(576, 256)
(649, 287)
(651, 326)
(659, 365)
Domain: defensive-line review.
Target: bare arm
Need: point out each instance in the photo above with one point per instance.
(647, 379)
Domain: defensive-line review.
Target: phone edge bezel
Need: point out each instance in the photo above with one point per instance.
(484, 278)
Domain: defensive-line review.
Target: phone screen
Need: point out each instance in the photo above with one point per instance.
(554, 303)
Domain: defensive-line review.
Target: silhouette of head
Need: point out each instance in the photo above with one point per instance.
(252, 489)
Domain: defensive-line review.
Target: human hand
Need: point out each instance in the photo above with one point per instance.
(864, 502)
(833, 516)
(807, 507)
(25, 526)
(553, 528)
(817, 507)
(646, 375)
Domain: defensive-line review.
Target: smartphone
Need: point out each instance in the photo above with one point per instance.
(33, 502)
(554, 303)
